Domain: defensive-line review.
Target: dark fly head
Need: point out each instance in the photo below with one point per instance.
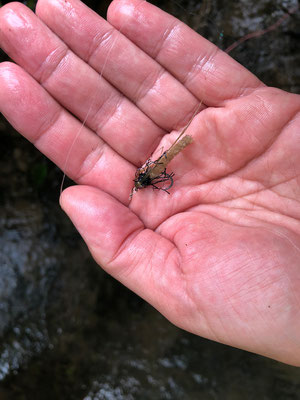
(142, 179)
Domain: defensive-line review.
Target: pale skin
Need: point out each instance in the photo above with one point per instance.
(220, 255)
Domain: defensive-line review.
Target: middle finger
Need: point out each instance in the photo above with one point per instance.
(137, 75)
(75, 85)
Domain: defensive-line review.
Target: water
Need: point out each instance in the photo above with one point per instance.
(68, 330)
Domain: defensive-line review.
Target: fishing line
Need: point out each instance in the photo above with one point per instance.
(229, 49)
(94, 99)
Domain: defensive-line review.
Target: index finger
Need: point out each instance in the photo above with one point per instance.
(207, 72)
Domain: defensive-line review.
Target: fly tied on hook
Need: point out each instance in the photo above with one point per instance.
(154, 172)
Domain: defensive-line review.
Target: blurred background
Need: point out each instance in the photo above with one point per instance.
(70, 331)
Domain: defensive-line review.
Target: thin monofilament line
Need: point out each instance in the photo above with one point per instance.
(187, 125)
(162, 163)
(85, 119)
(91, 105)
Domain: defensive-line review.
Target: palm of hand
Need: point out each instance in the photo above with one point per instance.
(220, 255)
(235, 229)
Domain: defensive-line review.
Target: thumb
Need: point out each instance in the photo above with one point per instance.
(118, 240)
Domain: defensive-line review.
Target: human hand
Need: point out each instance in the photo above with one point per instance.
(220, 256)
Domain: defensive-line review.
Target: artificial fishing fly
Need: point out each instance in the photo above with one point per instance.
(154, 172)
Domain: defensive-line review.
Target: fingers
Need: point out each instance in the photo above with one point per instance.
(38, 117)
(207, 72)
(75, 85)
(165, 100)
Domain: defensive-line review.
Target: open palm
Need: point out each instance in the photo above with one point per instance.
(220, 255)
